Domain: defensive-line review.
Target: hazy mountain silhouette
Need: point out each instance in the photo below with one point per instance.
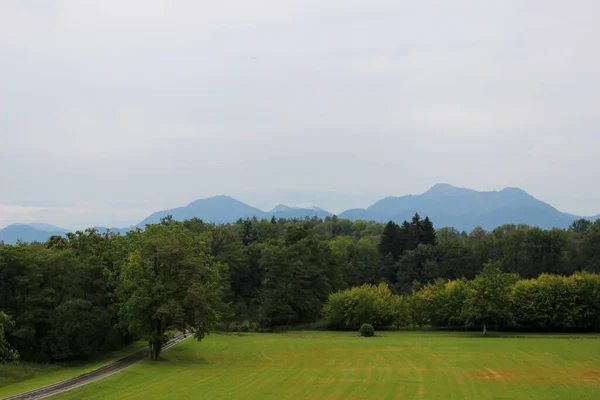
(219, 209)
(29, 233)
(445, 205)
(224, 209)
(283, 211)
(465, 209)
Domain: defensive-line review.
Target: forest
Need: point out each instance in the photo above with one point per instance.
(91, 292)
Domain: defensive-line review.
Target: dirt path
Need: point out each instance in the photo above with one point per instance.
(91, 376)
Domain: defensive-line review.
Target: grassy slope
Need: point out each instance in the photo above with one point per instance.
(27, 376)
(341, 365)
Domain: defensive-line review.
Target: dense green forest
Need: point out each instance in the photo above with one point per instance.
(71, 298)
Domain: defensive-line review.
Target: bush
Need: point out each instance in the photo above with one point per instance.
(367, 330)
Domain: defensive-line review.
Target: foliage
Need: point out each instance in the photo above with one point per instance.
(6, 353)
(367, 330)
(351, 308)
(169, 282)
(90, 292)
(549, 303)
(488, 297)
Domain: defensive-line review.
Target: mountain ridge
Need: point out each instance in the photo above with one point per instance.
(446, 205)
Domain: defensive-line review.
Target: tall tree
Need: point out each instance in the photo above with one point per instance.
(169, 283)
(392, 241)
(427, 234)
(6, 353)
(488, 297)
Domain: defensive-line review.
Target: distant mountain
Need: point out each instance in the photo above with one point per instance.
(219, 209)
(445, 204)
(331, 200)
(465, 209)
(29, 233)
(38, 232)
(47, 227)
(283, 211)
(225, 209)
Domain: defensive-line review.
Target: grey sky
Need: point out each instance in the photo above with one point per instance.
(110, 110)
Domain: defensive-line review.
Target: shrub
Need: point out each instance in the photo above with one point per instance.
(367, 330)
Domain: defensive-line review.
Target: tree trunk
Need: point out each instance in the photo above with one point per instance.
(157, 350)
(484, 330)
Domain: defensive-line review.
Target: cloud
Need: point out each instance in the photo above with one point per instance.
(164, 102)
(120, 135)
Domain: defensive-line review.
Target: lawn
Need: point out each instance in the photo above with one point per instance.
(331, 365)
(26, 376)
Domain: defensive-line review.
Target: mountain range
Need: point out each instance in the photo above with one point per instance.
(29, 232)
(224, 209)
(446, 205)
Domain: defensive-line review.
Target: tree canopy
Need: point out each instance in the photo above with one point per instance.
(89, 292)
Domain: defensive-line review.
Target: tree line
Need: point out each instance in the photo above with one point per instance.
(90, 292)
(548, 303)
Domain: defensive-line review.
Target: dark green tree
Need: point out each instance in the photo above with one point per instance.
(581, 226)
(169, 283)
(6, 353)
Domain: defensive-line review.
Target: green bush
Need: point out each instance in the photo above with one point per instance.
(367, 330)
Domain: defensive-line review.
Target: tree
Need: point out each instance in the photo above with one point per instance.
(418, 265)
(6, 353)
(427, 234)
(169, 283)
(400, 311)
(78, 329)
(444, 302)
(166, 220)
(392, 241)
(298, 276)
(581, 226)
(488, 297)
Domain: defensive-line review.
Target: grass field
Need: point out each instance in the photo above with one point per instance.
(326, 365)
(27, 376)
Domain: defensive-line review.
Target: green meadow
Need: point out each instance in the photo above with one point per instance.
(342, 365)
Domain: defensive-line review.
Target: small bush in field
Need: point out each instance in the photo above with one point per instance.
(366, 330)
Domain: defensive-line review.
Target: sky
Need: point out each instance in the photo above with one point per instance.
(110, 110)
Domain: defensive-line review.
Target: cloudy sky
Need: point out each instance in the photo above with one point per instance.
(110, 110)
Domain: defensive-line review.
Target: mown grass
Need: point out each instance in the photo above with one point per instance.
(28, 376)
(332, 365)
